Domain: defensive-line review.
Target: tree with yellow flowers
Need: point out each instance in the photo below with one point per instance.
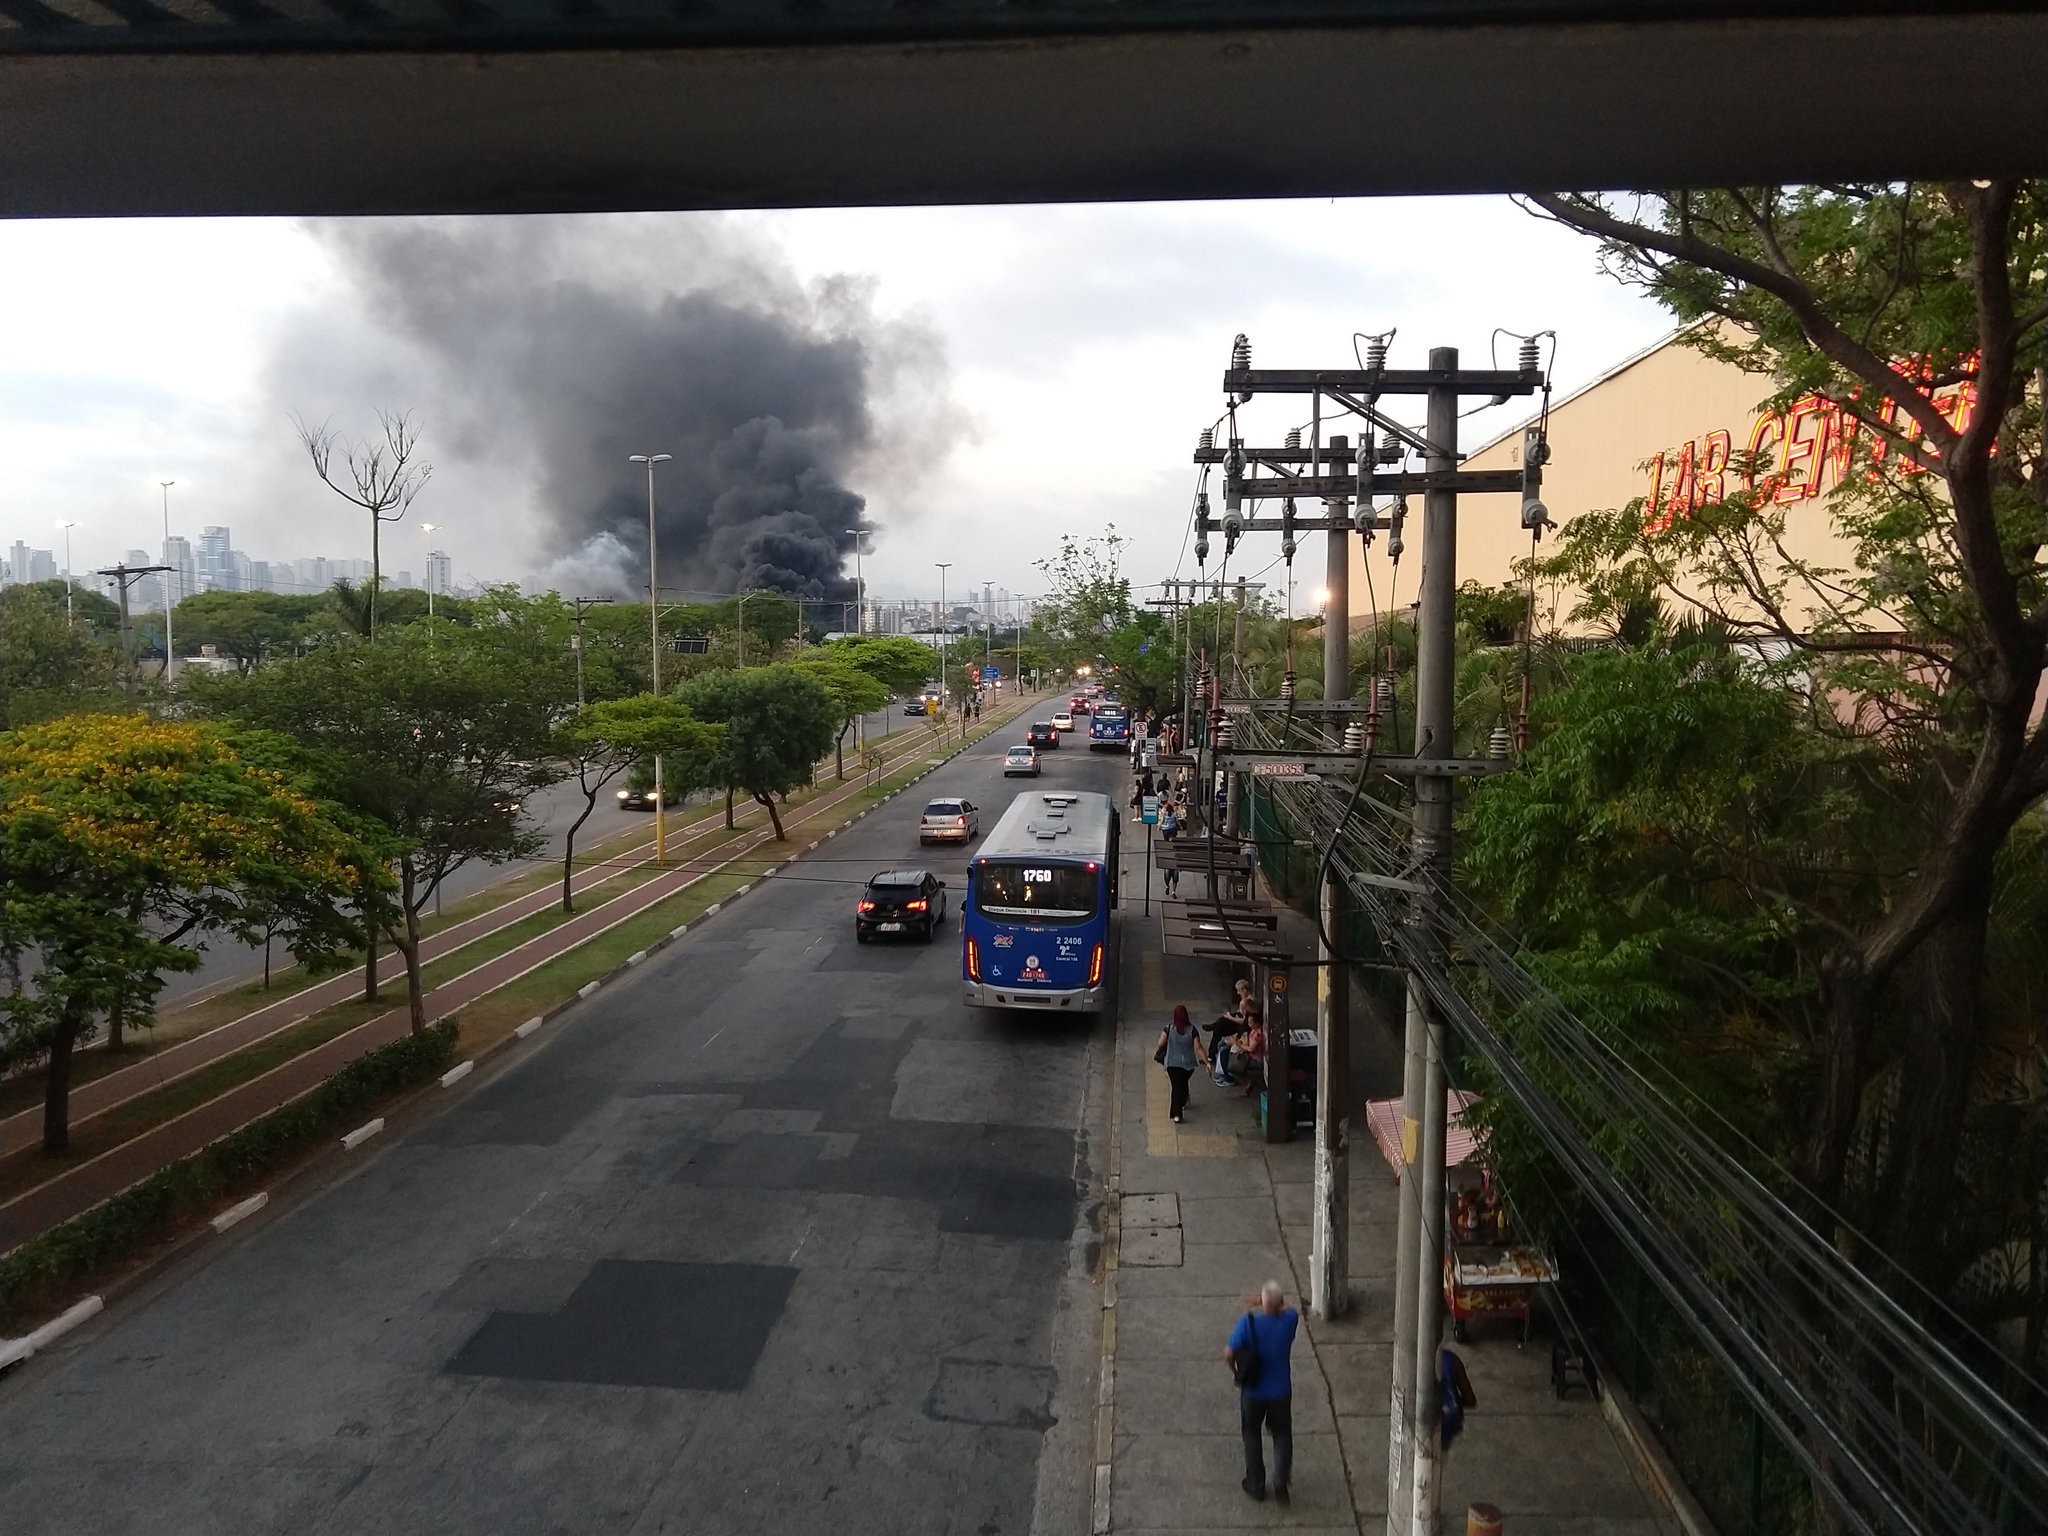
(125, 841)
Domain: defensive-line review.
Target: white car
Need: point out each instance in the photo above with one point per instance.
(949, 821)
(1062, 720)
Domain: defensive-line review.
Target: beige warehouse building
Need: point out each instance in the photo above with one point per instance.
(1669, 425)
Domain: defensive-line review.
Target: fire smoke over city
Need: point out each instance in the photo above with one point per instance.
(575, 345)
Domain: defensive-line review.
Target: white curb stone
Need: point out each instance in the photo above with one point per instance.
(457, 1073)
(362, 1133)
(241, 1211)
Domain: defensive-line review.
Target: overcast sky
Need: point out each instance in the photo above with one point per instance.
(1027, 371)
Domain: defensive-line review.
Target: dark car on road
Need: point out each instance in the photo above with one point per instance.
(901, 901)
(639, 797)
(1043, 735)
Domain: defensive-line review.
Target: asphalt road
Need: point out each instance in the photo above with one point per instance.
(775, 1236)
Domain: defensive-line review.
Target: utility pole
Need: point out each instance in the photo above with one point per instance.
(1330, 1244)
(125, 576)
(944, 566)
(1418, 1275)
(170, 591)
(1333, 475)
(580, 604)
(654, 644)
(1233, 816)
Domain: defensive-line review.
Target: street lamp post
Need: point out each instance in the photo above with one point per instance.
(172, 579)
(654, 638)
(69, 617)
(988, 627)
(860, 589)
(431, 528)
(944, 681)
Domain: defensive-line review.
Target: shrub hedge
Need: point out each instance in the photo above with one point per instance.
(44, 1269)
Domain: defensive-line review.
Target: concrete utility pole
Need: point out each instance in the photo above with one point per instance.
(1330, 1244)
(1418, 1274)
(654, 644)
(580, 604)
(944, 681)
(124, 576)
(1233, 815)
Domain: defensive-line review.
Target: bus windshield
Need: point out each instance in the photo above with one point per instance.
(1062, 893)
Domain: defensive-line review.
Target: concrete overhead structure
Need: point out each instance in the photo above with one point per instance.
(391, 106)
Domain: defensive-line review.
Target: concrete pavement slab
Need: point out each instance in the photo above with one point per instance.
(1226, 1270)
(1187, 1477)
(1149, 1247)
(1149, 1210)
(1154, 1394)
(1249, 1220)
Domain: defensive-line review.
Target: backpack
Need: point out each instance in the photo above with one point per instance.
(1244, 1363)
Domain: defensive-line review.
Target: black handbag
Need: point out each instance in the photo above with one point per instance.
(1160, 1054)
(1244, 1363)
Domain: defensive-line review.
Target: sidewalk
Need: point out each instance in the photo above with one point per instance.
(1206, 1213)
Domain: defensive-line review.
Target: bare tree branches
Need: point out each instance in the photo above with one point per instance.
(382, 477)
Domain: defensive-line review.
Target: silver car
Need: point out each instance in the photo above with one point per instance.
(949, 821)
(1019, 762)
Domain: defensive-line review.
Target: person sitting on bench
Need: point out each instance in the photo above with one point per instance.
(1248, 1050)
(1227, 1025)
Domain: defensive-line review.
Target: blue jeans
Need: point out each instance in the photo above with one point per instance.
(1271, 1413)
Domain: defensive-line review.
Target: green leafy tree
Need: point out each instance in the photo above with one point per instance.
(1087, 595)
(852, 691)
(1145, 666)
(436, 738)
(49, 667)
(246, 627)
(778, 722)
(899, 663)
(93, 610)
(121, 838)
(613, 736)
(1918, 314)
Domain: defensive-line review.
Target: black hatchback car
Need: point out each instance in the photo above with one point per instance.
(1043, 735)
(902, 901)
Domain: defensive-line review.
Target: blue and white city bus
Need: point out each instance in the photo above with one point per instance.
(1109, 726)
(1035, 923)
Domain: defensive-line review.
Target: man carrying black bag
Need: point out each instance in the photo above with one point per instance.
(1258, 1354)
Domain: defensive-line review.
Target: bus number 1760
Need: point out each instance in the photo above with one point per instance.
(1038, 877)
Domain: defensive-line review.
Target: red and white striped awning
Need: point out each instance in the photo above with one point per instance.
(1384, 1116)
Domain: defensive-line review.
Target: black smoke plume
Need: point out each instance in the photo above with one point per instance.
(575, 343)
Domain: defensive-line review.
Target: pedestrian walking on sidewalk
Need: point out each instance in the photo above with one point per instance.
(1257, 1355)
(1180, 1051)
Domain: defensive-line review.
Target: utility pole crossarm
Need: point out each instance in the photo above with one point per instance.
(1245, 382)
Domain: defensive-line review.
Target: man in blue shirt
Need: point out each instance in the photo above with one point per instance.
(1266, 1397)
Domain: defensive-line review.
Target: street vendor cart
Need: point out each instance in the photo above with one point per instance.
(1490, 1270)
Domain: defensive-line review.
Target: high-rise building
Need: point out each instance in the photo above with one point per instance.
(217, 561)
(42, 565)
(182, 580)
(18, 558)
(312, 574)
(145, 593)
(440, 573)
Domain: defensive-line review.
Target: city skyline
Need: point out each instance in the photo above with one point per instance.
(213, 564)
